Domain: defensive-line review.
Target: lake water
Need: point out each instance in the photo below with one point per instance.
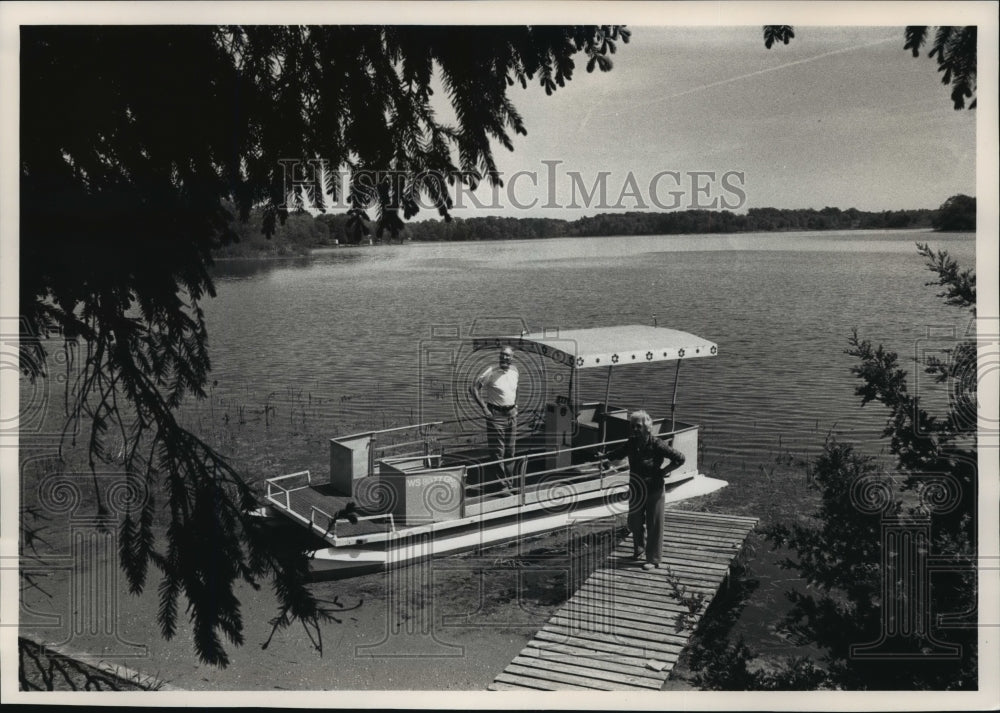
(370, 337)
(373, 336)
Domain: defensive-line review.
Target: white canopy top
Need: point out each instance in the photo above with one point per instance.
(606, 346)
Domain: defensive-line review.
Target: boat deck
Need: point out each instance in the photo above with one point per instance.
(625, 628)
(313, 505)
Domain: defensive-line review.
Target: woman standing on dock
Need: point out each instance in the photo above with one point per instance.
(649, 461)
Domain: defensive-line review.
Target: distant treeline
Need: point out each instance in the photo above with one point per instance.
(673, 223)
(302, 232)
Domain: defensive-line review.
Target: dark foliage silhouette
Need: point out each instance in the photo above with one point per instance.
(137, 143)
(956, 213)
(858, 590)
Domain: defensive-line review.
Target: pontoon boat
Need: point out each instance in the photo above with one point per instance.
(425, 490)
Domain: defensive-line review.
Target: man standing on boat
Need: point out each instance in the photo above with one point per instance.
(496, 393)
(649, 461)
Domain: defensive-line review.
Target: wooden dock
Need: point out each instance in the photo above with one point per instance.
(625, 628)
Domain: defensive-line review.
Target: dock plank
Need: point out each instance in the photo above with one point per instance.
(620, 655)
(749, 520)
(619, 589)
(507, 681)
(636, 605)
(676, 567)
(622, 618)
(709, 528)
(599, 676)
(618, 581)
(688, 525)
(624, 622)
(595, 639)
(627, 627)
(560, 677)
(716, 536)
(660, 579)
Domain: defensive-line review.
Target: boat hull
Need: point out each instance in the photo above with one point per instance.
(405, 548)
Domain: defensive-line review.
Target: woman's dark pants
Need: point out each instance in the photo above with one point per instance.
(645, 517)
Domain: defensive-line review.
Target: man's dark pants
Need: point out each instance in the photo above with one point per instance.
(501, 439)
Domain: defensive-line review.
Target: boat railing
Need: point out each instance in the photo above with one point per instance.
(522, 461)
(596, 448)
(332, 527)
(384, 442)
(381, 432)
(408, 427)
(430, 440)
(521, 466)
(330, 520)
(492, 473)
(273, 486)
(428, 449)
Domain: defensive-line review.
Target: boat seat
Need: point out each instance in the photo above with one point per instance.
(587, 415)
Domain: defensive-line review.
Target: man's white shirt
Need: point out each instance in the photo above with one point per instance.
(499, 386)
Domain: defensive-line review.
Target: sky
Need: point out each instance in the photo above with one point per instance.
(696, 113)
(841, 116)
